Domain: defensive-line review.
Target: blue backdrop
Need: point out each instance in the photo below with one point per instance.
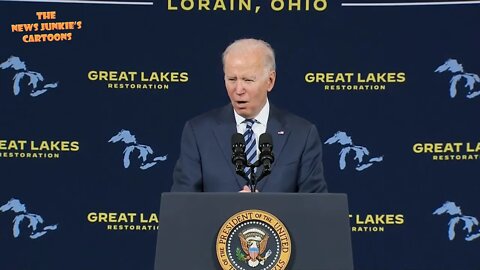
(94, 96)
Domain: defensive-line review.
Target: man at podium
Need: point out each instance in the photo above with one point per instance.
(205, 162)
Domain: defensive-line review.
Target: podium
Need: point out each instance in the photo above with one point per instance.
(197, 231)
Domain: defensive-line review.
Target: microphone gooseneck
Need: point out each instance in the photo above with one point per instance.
(266, 151)
(238, 152)
(239, 158)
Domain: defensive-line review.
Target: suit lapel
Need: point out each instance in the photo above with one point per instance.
(224, 129)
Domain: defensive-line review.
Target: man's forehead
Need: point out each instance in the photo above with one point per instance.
(247, 71)
(244, 61)
(246, 52)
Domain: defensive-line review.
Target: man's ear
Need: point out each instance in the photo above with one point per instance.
(272, 75)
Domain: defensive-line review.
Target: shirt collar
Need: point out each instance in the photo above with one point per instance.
(261, 118)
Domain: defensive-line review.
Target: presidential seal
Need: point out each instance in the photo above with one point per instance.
(253, 239)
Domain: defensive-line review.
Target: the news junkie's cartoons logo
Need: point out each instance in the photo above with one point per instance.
(35, 222)
(46, 28)
(362, 154)
(470, 230)
(35, 79)
(132, 146)
(471, 87)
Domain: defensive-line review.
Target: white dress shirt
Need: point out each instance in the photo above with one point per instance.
(260, 125)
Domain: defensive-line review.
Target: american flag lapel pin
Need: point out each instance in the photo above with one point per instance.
(281, 132)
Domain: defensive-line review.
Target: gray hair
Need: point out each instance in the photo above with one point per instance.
(253, 44)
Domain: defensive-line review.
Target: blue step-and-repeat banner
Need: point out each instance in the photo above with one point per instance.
(94, 96)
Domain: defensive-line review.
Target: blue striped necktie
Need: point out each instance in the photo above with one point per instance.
(251, 145)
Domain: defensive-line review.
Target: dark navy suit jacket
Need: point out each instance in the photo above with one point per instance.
(206, 152)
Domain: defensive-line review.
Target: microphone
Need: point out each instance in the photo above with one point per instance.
(238, 152)
(266, 152)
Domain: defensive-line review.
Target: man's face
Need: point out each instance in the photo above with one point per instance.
(247, 81)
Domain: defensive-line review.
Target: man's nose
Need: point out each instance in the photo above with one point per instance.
(239, 87)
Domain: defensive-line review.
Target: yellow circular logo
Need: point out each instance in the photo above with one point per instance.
(253, 239)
